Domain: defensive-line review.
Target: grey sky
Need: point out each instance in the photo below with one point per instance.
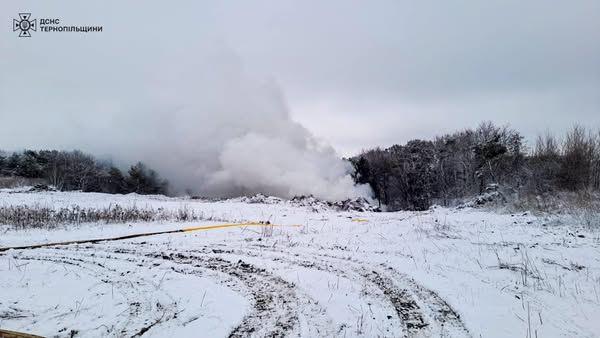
(355, 73)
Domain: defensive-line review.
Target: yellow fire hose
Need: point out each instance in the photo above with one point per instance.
(13, 334)
(97, 240)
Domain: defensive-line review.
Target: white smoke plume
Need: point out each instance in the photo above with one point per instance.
(206, 125)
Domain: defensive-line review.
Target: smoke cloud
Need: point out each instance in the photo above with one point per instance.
(232, 135)
(207, 125)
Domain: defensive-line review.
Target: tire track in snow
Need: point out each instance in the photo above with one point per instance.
(276, 302)
(422, 312)
(271, 295)
(143, 313)
(274, 310)
(379, 318)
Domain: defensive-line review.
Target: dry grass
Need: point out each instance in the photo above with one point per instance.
(23, 217)
(582, 206)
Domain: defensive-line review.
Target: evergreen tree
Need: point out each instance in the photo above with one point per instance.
(116, 183)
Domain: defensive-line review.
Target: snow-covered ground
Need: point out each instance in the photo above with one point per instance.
(440, 273)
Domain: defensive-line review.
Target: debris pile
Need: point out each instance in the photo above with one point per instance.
(491, 196)
(262, 199)
(42, 187)
(314, 204)
(357, 204)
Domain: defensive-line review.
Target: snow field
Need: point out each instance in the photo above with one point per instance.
(443, 272)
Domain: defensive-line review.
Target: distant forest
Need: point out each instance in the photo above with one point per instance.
(75, 170)
(488, 159)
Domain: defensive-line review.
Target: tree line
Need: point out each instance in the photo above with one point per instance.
(75, 170)
(470, 162)
(413, 176)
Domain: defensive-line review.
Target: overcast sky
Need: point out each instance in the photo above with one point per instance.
(355, 73)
